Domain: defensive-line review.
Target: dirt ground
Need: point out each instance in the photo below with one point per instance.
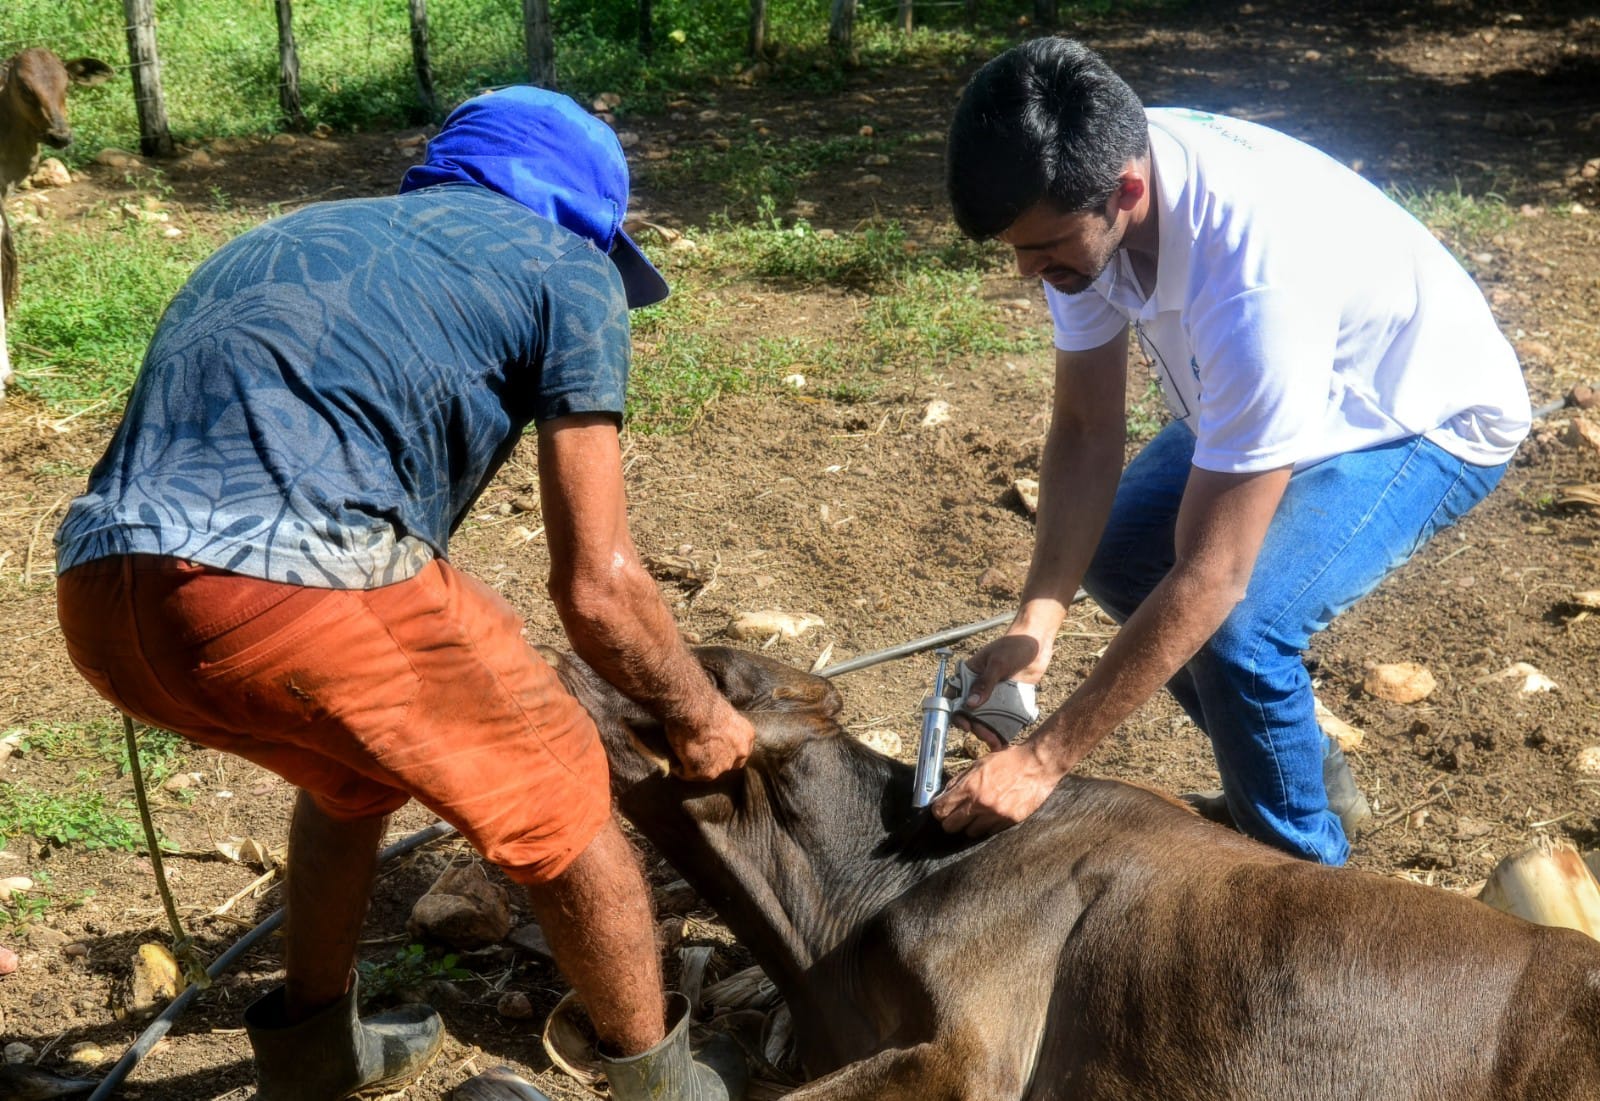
(888, 531)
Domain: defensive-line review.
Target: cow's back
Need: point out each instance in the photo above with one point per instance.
(1208, 966)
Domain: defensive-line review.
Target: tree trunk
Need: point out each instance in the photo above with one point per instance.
(289, 68)
(972, 15)
(155, 138)
(419, 57)
(1044, 13)
(756, 45)
(841, 25)
(541, 43)
(647, 37)
(903, 16)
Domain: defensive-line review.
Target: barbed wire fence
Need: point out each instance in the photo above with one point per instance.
(216, 70)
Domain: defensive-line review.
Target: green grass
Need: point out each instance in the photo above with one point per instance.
(920, 310)
(1148, 414)
(755, 170)
(82, 818)
(81, 814)
(219, 57)
(1465, 223)
(90, 298)
(27, 907)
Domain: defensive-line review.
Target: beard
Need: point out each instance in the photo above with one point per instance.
(1099, 252)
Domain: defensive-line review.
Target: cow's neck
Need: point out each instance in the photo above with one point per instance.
(797, 853)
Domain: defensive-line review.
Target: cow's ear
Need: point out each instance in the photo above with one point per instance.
(648, 740)
(89, 71)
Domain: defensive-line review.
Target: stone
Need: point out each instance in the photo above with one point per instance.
(1583, 432)
(462, 909)
(886, 742)
(8, 960)
(117, 158)
(19, 1052)
(45, 939)
(85, 1055)
(1399, 682)
(50, 173)
(530, 938)
(1028, 493)
(514, 1005)
(153, 982)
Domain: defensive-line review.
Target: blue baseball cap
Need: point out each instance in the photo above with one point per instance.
(545, 151)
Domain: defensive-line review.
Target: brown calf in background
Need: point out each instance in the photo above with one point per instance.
(33, 109)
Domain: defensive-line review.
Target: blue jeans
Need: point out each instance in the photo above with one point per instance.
(1342, 526)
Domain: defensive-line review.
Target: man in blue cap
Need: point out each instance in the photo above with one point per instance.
(260, 563)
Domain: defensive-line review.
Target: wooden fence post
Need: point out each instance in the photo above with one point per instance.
(419, 57)
(540, 41)
(841, 24)
(289, 67)
(903, 16)
(155, 138)
(756, 44)
(647, 38)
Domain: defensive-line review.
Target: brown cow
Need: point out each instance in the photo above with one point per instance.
(33, 109)
(1111, 947)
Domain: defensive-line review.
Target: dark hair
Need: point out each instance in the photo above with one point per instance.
(1048, 119)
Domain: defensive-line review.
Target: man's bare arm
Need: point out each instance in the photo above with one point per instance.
(1078, 476)
(1221, 525)
(609, 604)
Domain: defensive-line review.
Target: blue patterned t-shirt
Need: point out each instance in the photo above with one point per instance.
(330, 392)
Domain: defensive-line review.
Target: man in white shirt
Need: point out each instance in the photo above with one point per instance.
(1339, 392)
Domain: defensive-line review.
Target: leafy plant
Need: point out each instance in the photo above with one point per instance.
(1147, 414)
(103, 742)
(408, 969)
(79, 818)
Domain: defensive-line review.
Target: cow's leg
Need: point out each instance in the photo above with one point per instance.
(8, 277)
(5, 356)
(941, 1070)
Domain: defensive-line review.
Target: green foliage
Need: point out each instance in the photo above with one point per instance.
(219, 58)
(408, 969)
(102, 744)
(1147, 414)
(81, 813)
(80, 817)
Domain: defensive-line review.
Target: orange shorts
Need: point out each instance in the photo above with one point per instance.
(363, 698)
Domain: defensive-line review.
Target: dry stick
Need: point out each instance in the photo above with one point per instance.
(1413, 808)
(228, 905)
(183, 947)
(27, 557)
(163, 1024)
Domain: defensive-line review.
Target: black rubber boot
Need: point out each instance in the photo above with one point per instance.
(670, 1071)
(1344, 798)
(333, 1054)
(1211, 805)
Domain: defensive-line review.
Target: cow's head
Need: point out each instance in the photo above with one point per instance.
(784, 704)
(33, 85)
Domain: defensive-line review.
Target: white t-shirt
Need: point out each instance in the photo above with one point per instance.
(1298, 312)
